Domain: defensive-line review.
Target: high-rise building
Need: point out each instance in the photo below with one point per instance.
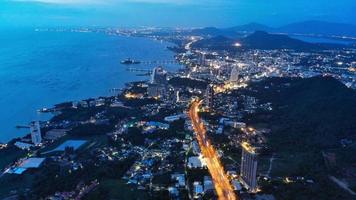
(210, 96)
(36, 133)
(249, 167)
(234, 76)
(202, 59)
(159, 76)
(156, 90)
(158, 84)
(353, 65)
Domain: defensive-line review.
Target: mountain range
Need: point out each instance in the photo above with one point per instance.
(260, 40)
(305, 28)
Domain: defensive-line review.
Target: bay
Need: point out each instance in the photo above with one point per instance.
(40, 69)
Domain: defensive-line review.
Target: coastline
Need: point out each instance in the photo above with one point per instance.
(109, 91)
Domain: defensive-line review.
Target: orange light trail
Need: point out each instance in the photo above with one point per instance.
(222, 184)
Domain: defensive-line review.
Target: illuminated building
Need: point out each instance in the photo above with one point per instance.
(248, 167)
(234, 76)
(202, 59)
(36, 133)
(158, 83)
(159, 76)
(210, 96)
(353, 67)
(156, 90)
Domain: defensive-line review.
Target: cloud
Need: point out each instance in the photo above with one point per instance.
(62, 1)
(106, 1)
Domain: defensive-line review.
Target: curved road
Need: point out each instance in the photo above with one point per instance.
(221, 182)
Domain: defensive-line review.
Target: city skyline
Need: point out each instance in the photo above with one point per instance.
(177, 99)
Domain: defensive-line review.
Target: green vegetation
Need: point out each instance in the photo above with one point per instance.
(84, 114)
(314, 113)
(73, 114)
(324, 189)
(10, 154)
(135, 136)
(187, 82)
(310, 116)
(53, 178)
(116, 189)
(140, 102)
(163, 179)
(91, 129)
(10, 182)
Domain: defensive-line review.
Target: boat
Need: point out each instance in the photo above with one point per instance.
(129, 61)
(45, 110)
(22, 126)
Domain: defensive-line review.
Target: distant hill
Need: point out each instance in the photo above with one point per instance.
(215, 43)
(266, 41)
(260, 40)
(305, 27)
(213, 32)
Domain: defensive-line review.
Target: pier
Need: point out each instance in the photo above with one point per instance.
(159, 62)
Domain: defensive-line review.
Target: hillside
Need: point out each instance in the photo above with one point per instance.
(309, 117)
(315, 112)
(213, 32)
(266, 41)
(304, 27)
(215, 43)
(260, 40)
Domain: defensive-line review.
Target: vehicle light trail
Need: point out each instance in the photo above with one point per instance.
(221, 182)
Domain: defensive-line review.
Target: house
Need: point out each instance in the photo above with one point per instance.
(23, 145)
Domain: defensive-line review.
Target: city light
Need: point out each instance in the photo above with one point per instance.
(248, 147)
(221, 182)
(237, 44)
(130, 95)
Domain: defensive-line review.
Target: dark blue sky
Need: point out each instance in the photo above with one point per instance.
(173, 13)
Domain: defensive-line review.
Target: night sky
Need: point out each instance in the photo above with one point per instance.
(171, 13)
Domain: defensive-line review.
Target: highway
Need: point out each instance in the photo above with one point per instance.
(221, 182)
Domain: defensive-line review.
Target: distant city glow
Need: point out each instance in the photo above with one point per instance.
(130, 95)
(237, 44)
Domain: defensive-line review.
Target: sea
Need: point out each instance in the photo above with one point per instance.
(41, 68)
(322, 40)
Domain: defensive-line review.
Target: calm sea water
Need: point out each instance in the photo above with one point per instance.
(40, 69)
(324, 40)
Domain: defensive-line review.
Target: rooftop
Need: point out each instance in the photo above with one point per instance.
(247, 147)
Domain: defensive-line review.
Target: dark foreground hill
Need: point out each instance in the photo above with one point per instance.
(314, 113)
(310, 117)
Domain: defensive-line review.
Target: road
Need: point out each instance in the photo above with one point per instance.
(270, 165)
(222, 184)
(342, 185)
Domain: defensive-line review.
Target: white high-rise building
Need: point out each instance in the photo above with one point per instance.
(202, 59)
(209, 98)
(249, 167)
(234, 76)
(159, 76)
(36, 133)
(158, 84)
